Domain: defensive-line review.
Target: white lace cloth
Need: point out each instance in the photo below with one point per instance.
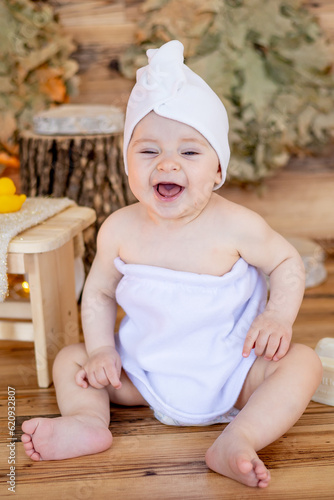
(33, 211)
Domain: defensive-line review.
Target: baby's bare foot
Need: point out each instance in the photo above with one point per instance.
(234, 457)
(64, 437)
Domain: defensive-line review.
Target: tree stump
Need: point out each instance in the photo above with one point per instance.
(85, 168)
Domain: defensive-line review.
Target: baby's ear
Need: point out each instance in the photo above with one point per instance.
(219, 175)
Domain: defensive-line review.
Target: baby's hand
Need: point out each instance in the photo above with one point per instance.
(102, 368)
(269, 336)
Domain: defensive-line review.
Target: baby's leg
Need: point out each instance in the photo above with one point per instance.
(274, 396)
(83, 427)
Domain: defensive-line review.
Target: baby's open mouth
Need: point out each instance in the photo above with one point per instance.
(168, 190)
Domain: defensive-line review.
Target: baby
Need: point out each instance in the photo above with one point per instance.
(199, 343)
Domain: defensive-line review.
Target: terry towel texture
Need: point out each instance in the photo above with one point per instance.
(182, 337)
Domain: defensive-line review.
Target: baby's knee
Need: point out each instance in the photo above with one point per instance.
(310, 359)
(75, 353)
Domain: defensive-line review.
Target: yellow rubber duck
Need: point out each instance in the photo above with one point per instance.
(9, 201)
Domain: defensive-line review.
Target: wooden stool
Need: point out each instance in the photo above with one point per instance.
(76, 151)
(46, 253)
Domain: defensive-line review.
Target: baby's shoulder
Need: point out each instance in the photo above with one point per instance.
(119, 222)
(121, 216)
(233, 213)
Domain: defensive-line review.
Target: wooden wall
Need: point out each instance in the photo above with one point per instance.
(103, 29)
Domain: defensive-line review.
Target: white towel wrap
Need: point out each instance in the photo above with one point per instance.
(181, 340)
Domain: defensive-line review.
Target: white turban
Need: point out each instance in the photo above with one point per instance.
(172, 90)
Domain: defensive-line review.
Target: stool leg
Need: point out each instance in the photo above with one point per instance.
(53, 306)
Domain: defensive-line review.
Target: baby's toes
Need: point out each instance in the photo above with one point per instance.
(27, 442)
(26, 438)
(264, 483)
(260, 470)
(29, 448)
(34, 455)
(263, 475)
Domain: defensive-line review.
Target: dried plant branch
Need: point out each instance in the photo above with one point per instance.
(35, 69)
(268, 61)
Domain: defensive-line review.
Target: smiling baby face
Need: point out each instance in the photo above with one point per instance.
(172, 167)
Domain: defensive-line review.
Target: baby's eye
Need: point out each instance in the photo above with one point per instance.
(190, 153)
(148, 152)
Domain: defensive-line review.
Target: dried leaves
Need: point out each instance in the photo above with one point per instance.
(268, 61)
(35, 69)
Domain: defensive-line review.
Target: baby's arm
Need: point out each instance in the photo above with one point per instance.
(98, 312)
(262, 247)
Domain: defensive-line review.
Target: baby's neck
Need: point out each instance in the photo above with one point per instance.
(177, 224)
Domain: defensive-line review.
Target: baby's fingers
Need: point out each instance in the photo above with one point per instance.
(99, 378)
(272, 347)
(282, 350)
(113, 377)
(249, 343)
(81, 378)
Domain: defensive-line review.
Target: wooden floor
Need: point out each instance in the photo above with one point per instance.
(151, 461)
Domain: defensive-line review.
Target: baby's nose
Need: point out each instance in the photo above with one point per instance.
(168, 164)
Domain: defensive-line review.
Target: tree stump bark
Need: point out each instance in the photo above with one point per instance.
(85, 168)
